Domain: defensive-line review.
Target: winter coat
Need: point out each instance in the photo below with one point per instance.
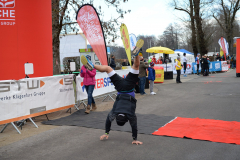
(151, 73)
(159, 61)
(178, 65)
(142, 69)
(112, 63)
(88, 76)
(197, 60)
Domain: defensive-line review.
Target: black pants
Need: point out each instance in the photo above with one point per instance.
(124, 84)
(205, 69)
(197, 68)
(185, 66)
(178, 75)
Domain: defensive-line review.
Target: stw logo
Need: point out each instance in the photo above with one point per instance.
(7, 3)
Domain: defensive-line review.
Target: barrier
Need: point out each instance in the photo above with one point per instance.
(188, 70)
(159, 74)
(224, 65)
(167, 67)
(32, 97)
(194, 67)
(103, 85)
(214, 67)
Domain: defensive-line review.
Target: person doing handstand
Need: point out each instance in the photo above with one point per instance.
(125, 105)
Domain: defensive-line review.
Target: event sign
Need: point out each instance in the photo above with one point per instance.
(133, 41)
(194, 67)
(216, 66)
(126, 41)
(90, 24)
(159, 74)
(103, 84)
(32, 97)
(224, 65)
(26, 36)
(213, 67)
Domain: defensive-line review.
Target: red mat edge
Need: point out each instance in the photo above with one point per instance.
(155, 132)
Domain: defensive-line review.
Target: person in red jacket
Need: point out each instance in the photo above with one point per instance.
(159, 61)
(89, 83)
(154, 59)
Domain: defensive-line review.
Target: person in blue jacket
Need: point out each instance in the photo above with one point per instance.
(208, 64)
(197, 60)
(151, 77)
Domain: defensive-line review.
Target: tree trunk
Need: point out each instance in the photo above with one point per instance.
(55, 36)
(194, 38)
(200, 33)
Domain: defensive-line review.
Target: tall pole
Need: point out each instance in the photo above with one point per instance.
(148, 53)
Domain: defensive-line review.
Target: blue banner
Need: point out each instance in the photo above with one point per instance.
(194, 67)
(217, 66)
(213, 67)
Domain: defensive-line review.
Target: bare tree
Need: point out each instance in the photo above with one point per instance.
(197, 11)
(200, 33)
(227, 13)
(149, 41)
(188, 7)
(118, 52)
(63, 22)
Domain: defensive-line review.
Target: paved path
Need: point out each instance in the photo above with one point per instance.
(213, 97)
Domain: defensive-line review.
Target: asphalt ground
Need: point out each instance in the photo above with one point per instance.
(214, 97)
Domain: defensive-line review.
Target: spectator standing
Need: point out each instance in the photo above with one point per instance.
(233, 59)
(178, 69)
(159, 61)
(112, 63)
(170, 61)
(197, 60)
(184, 64)
(228, 57)
(218, 57)
(204, 65)
(166, 60)
(89, 83)
(150, 60)
(151, 77)
(208, 64)
(154, 59)
(142, 76)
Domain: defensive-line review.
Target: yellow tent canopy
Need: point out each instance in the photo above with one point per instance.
(160, 50)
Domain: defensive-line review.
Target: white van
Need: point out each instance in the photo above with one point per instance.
(72, 47)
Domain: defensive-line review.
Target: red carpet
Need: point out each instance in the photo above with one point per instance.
(202, 129)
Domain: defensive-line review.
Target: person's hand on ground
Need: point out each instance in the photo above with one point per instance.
(104, 136)
(137, 142)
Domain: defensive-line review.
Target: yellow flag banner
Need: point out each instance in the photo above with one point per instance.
(126, 41)
(221, 52)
